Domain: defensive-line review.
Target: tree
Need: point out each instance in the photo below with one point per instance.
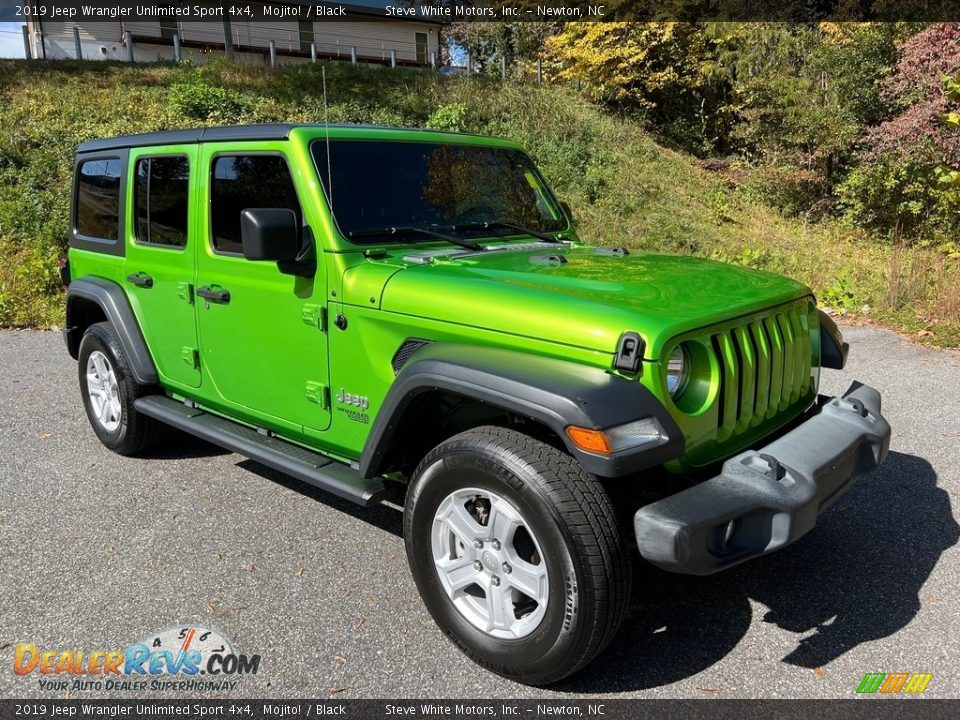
(488, 42)
(951, 120)
(916, 92)
(806, 93)
(663, 71)
(897, 187)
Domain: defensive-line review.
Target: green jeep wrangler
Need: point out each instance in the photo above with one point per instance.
(403, 313)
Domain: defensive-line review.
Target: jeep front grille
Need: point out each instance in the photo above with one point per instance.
(765, 366)
(763, 373)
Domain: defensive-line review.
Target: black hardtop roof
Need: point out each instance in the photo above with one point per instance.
(266, 131)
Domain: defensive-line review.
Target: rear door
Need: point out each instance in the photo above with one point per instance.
(160, 259)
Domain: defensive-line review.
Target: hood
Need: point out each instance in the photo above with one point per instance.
(584, 296)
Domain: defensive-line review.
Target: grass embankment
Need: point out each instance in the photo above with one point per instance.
(624, 188)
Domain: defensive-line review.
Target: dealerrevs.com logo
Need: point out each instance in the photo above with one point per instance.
(190, 658)
(894, 683)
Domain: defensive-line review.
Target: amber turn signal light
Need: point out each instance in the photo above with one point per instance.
(589, 440)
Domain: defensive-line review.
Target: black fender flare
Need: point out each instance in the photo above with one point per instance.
(833, 349)
(553, 392)
(112, 300)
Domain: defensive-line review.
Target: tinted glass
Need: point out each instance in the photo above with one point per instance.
(98, 199)
(306, 35)
(247, 181)
(401, 184)
(162, 195)
(421, 45)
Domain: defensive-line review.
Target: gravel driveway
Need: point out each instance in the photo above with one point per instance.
(99, 551)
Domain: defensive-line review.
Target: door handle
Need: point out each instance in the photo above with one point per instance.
(140, 279)
(216, 296)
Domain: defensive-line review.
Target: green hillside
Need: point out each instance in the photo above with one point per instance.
(624, 188)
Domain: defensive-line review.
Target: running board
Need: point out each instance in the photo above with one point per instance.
(310, 467)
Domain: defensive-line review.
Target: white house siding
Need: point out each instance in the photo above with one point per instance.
(98, 41)
(373, 40)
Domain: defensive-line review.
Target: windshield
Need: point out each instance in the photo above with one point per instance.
(379, 185)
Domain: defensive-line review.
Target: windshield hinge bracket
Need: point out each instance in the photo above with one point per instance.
(315, 316)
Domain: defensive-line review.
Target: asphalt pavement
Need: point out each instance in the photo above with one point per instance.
(99, 551)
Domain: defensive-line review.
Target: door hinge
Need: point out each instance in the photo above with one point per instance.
(315, 316)
(185, 292)
(318, 393)
(191, 356)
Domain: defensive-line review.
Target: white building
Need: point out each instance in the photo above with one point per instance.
(363, 32)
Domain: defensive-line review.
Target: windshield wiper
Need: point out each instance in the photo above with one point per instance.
(462, 242)
(509, 226)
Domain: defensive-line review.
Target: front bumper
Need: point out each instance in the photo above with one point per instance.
(765, 499)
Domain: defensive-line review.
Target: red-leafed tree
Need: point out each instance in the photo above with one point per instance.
(898, 187)
(916, 88)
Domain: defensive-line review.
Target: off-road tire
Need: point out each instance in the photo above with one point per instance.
(135, 433)
(589, 569)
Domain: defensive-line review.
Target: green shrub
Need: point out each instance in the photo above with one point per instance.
(200, 101)
(30, 287)
(791, 190)
(840, 295)
(454, 116)
(901, 201)
(719, 207)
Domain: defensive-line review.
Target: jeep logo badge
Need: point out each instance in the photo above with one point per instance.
(360, 401)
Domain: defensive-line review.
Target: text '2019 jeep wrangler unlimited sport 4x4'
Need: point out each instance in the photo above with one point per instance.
(378, 310)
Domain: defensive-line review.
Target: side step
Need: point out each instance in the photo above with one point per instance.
(310, 467)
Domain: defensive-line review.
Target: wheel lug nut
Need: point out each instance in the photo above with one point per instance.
(495, 581)
(478, 543)
(477, 565)
(507, 569)
(496, 544)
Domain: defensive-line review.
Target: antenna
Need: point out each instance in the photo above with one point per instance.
(326, 125)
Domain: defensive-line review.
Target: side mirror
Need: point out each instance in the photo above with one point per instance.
(565, 206)
(270, 234)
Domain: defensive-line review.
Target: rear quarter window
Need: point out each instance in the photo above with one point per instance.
(98, 199)
(161, 200)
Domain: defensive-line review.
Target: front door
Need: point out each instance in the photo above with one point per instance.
(160, 257)
(262, 345)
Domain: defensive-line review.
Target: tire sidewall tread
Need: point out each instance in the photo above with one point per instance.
(574, 519)
(136, 432)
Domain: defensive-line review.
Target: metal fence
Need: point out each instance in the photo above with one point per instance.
(274, 43)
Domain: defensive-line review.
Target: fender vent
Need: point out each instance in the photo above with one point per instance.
(405, 352)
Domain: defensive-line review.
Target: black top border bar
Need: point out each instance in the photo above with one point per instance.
(448, 11)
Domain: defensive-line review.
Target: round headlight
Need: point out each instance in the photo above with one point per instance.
(678, 370)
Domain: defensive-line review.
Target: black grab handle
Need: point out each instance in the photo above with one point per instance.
(217, 296)
(141, 279)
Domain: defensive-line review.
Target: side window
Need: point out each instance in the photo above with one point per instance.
(168, 27)
(306, 35)
(247, 181)
(98, 199)
(161, 198)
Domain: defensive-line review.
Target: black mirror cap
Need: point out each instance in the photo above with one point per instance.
(833, 350)
(270, 234)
